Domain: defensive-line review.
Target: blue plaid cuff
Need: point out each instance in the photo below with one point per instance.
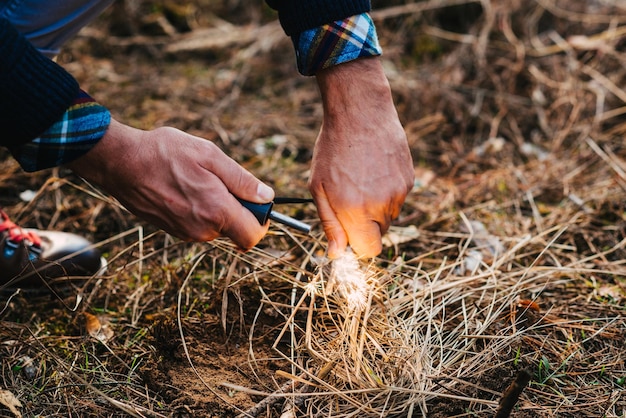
(82, 125)
(335, 43)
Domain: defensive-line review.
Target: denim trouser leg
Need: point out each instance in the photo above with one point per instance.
(47, 24)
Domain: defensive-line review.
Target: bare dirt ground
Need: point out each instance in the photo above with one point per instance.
(507, 260)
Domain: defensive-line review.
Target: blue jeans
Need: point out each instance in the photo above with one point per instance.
(47, 24)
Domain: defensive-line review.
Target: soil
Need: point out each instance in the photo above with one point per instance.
(218, 356)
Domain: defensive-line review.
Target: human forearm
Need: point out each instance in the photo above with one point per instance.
(362, 168)
(359, 82)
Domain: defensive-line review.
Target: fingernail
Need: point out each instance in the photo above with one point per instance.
(265, 192)
(332, 250)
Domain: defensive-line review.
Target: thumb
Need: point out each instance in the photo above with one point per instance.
(241, 183)
(337, 238)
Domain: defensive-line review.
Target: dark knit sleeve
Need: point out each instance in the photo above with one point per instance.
(299, 15)
(34, 90)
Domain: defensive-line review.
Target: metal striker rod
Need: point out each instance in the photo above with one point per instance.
(263, 212)
(289, 221)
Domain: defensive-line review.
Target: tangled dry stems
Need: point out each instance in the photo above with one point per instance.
(425, 325)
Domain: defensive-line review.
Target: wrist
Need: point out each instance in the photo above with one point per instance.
(356, 86)
(103, 161)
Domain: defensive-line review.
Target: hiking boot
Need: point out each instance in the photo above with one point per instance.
(33, 259)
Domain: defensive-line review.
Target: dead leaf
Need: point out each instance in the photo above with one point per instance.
(472, 262)
(488, 244)
(11, 402)
(614, 292)
(399, 235)
(97, 329)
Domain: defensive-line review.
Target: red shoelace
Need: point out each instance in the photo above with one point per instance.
(17, 234)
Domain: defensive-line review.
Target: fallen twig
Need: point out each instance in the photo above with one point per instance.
(512, 394)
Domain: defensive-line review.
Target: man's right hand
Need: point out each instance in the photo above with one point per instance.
(181, 183)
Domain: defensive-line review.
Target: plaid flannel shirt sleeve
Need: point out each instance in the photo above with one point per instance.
(335, 43)
(82, 125)
(85, 122)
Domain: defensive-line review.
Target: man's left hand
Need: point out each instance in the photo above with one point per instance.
(362, 168)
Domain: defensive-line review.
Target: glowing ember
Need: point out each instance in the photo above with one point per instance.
(349, 280)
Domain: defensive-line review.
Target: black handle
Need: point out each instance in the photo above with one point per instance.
(261, 211)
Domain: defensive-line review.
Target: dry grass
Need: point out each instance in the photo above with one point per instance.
(431, 329)
(514, 260)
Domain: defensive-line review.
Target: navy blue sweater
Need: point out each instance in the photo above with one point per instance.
(297, 15)
(35, 91)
